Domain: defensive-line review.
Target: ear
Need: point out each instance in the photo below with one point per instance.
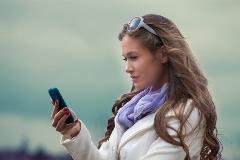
(162, 54)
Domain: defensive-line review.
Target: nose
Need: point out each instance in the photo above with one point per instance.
(129, 67)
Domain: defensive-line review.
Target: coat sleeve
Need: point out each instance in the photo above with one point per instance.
(82, 147)
(161, 150)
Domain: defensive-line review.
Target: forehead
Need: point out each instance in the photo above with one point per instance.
(132, 46)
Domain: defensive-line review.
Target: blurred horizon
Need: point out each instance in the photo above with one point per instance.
(73, 45)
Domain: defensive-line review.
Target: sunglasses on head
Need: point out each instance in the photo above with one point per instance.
(137, 23)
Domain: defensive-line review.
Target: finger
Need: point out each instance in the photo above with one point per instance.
(55, 110)
(73, 128)
(67, 127)
(76, 120)
(61, 123)
(58, 116)
(73, 114)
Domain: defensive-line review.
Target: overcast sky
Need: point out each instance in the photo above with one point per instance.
(73, 45)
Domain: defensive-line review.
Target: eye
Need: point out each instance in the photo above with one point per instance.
(131, 58)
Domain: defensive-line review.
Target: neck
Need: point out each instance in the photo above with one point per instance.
(161, 81)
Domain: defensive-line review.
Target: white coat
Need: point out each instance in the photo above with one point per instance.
(140, 142)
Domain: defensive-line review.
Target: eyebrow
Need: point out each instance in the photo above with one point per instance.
(129, 53)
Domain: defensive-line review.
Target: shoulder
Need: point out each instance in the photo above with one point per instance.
(187, 115)
(186, 110)
(192, 133)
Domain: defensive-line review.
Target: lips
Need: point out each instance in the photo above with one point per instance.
(133, 77)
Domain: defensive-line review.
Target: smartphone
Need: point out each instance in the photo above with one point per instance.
(55, 95)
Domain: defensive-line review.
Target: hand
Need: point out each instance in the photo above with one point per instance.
(58, 121)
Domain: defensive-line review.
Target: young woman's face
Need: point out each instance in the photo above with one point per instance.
(144, 68)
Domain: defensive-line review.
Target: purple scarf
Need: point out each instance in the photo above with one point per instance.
(142, 104)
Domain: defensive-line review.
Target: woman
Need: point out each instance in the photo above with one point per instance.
(168, 114)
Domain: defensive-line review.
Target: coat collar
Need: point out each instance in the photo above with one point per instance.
(141, 125)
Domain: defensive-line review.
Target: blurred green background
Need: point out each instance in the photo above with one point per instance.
(73, 45)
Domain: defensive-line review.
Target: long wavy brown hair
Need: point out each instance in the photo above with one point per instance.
(186, 81)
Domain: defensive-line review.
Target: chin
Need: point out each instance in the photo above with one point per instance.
(139, 87)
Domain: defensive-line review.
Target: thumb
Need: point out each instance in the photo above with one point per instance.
(73, 114)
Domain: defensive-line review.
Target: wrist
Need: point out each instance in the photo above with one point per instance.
(78, 129)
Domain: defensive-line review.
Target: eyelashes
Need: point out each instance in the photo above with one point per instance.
(131, 58)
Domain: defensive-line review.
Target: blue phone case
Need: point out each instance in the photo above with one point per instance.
(55, 95)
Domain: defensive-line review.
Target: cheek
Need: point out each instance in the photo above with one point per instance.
(152, 73)
(149, 71)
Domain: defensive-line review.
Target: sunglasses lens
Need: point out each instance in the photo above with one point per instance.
(133, 25)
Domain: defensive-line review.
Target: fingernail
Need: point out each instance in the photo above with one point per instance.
(67, 113)
(65, 109)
